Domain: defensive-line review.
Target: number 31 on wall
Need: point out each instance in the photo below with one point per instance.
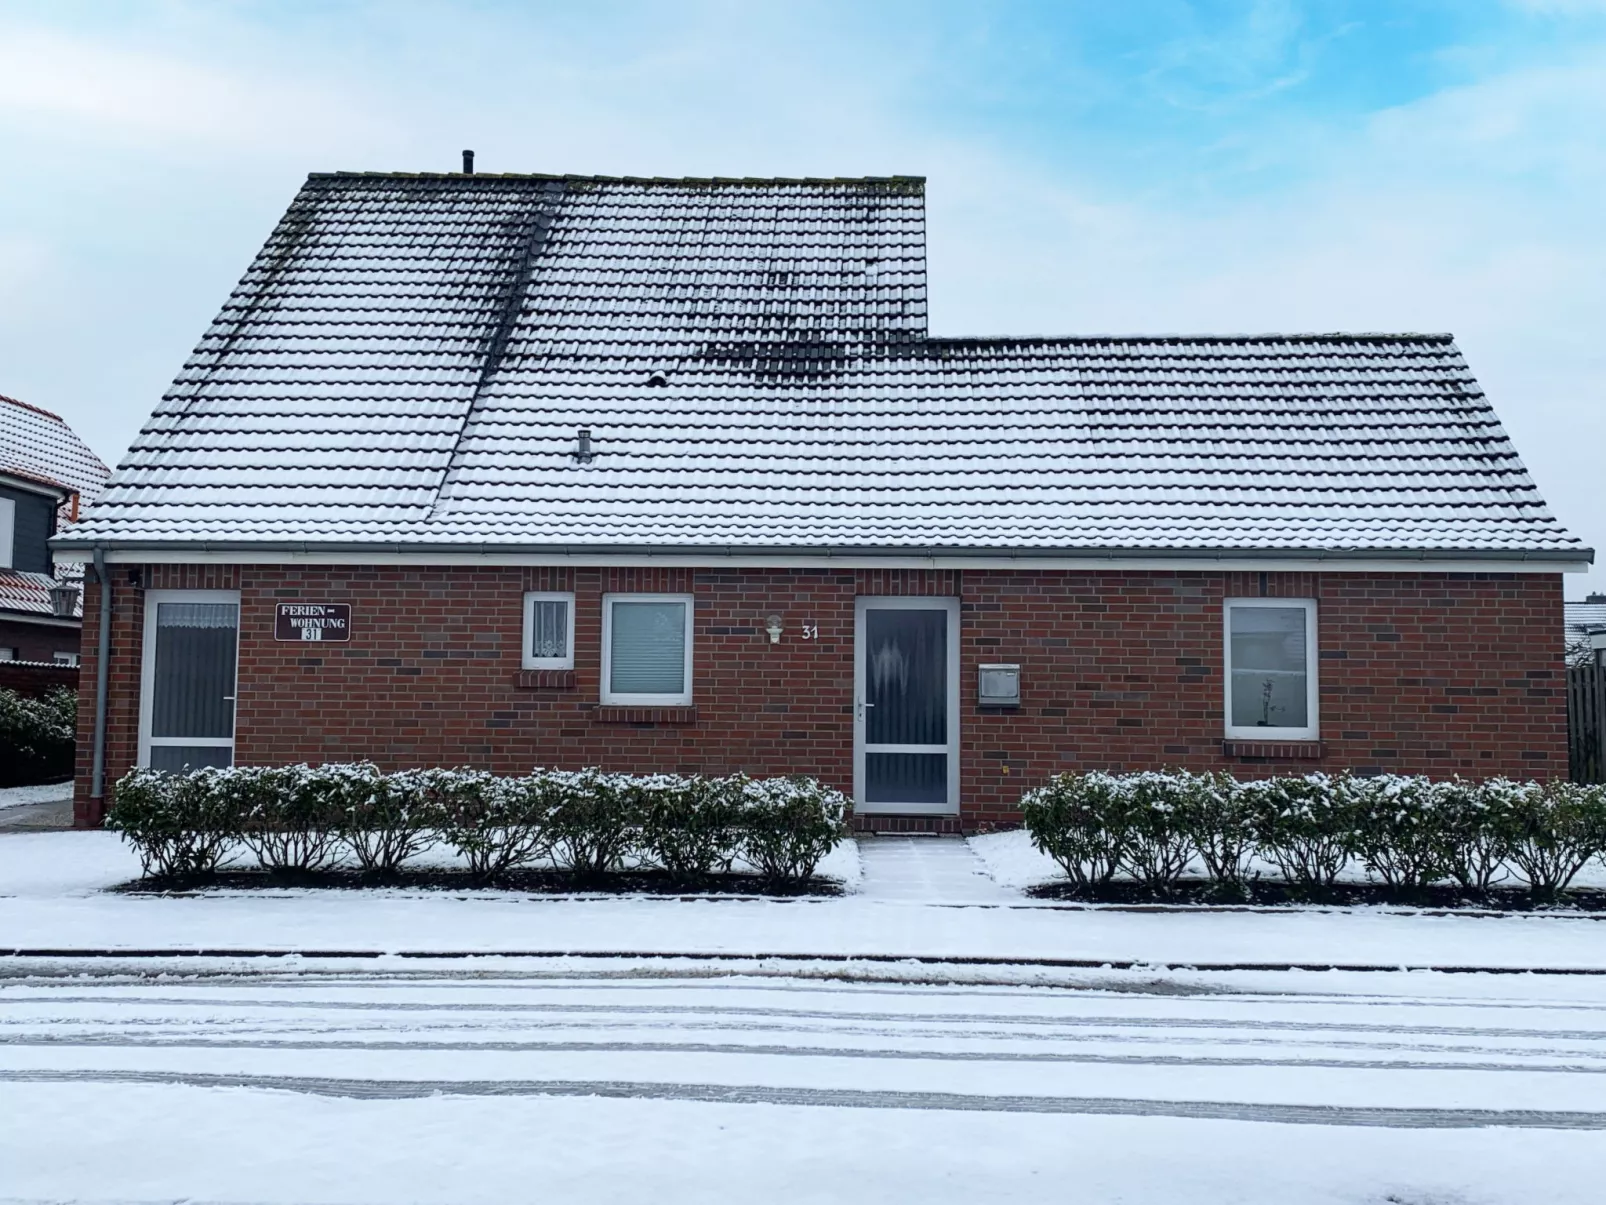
(811, 631)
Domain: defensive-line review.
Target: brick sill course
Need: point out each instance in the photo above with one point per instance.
(545, 679)
(1279, 750)
(645, 715)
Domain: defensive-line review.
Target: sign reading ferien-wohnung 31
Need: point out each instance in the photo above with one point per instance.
(312, 621)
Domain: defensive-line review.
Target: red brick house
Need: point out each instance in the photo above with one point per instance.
(669, 475)
(46, 474)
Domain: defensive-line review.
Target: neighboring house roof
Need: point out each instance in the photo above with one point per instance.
(410, 360)
(37, 446)
(1583, 618)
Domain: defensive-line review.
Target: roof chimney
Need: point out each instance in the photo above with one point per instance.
(468, 163)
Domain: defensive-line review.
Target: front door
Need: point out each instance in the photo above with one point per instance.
(906, 725)
(187, 680)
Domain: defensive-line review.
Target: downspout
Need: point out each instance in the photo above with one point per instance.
(97, 787)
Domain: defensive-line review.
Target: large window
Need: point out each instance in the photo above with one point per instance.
(548, 631)
(8, 531)
(646, 649)
(187, 678)
(1271, 668)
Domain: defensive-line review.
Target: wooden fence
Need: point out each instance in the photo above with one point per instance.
(1586, 724)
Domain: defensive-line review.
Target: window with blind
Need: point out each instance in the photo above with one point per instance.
(548, 631)
(646, 650)
(1271, 668)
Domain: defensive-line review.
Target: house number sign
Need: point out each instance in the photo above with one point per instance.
(312, 621)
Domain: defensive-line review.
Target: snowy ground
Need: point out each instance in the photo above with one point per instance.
(601, 1083)
(51, 792)
(935, 1037)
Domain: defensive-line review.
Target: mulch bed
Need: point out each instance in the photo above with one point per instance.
(534, 882)
(1200, 892)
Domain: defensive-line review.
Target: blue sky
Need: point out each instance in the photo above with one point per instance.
(1241, 165)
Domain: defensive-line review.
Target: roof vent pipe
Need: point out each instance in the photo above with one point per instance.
(468, 163)
(582, 446)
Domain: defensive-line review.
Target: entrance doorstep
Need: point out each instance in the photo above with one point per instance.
(942, 825)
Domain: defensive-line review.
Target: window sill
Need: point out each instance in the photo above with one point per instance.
(645, 715)
(545, 679)
(1275, 750)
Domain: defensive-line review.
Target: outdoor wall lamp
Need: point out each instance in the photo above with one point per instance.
(772, 625)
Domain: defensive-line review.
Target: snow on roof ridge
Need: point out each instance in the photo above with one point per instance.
(580, 177)
(1438, 337)
(36, 409)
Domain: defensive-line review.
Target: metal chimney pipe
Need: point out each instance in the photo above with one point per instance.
(468, 163)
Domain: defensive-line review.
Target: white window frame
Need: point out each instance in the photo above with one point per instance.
(1312, 730)
(147, 671)
(65, 659)
(566, 661)
(8, 532)
(611, 698)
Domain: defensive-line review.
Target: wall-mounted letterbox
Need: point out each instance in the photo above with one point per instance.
(998, 685)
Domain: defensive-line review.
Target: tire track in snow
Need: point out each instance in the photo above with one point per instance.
(827, 1052)
(847, 1098)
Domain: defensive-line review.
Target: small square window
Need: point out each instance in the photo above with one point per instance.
(548, 631)
(8, 654)
(1271, 668)
(646, 650)
(66, 658)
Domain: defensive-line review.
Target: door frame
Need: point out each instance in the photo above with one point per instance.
(904, 602)
(147, 670)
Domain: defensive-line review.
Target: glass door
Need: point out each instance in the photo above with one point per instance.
(906, 727)
(187, 684)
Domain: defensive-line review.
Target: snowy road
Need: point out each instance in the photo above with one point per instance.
(604, 1065)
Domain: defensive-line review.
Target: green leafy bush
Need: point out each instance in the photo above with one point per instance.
(1304, 826)
(691, 827)
(179, 824)
(37, 737)
(1221, 827)
(496, 824)
(1477, 833)
(1403, 832)
(788, 825)
(1082, 821)
(1553, 832)
(1160, 828)
(302, 819)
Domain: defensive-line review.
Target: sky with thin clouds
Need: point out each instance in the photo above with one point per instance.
(1137, 167)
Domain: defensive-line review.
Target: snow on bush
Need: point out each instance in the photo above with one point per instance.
(1409, 832)
(307, 818)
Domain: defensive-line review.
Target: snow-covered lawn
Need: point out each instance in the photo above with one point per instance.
(50, 792)
(622, 1083)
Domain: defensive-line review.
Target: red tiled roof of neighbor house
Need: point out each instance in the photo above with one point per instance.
(579, 363)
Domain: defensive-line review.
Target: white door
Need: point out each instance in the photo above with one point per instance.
(906, 706)
(187, 678)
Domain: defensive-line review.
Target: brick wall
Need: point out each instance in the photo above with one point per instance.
(1434, 673)
(35, 678)
(37, 641)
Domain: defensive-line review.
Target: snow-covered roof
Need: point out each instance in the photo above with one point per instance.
(410, 359)
(24, 594)
(37, 445)
(1584, 618)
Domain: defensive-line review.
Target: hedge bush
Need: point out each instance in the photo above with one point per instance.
(37, 737)
(1408, 832)
(304, 819)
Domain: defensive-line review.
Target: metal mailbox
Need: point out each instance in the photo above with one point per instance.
(998, 685)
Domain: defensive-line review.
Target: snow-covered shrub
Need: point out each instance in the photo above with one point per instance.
(596, 818)
(384, 819)
(1082, 822)
(1477, 832)
(289, 816)
(36, 737)
(1221, 826)
(691, 827)
(1160, 829)
(1304, 826)
(177, 823)
(1554, 830)
(496, 824)
(787, 825)
(1402, 830)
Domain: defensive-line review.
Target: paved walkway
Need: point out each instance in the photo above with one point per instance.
(927, 870)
